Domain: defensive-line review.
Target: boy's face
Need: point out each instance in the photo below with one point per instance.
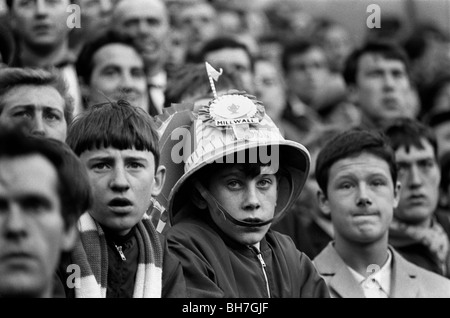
(123, 182)
(361, 198)
(246, 199)
(32, 228)
(420, 176)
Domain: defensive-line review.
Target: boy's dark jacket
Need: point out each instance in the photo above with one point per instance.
(216, 266)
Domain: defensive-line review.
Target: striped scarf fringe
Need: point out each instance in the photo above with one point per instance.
(91, 254)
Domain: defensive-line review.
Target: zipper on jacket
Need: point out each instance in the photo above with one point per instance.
(263, 266)
(122, 255)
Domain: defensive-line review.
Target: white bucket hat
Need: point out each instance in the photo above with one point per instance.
(232, 124)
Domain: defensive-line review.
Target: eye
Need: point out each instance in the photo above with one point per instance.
(234, 184)
(135, 165)
(35, 205)
(378, 182)
(24, 114)
(100, 166)
(265, 183)
(53, 116)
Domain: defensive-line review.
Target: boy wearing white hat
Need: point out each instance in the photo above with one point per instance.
(240, 176)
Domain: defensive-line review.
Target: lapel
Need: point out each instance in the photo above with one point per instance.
(404, 279)
(339, 279)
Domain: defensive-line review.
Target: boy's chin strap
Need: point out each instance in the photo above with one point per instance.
(220, 210)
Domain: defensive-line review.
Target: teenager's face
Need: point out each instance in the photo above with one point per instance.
(420, 176)
(123, 182)
(32, 228)
(361, 198)
(42, 107)
(245, 199)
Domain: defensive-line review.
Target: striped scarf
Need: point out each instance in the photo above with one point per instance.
(91, 254)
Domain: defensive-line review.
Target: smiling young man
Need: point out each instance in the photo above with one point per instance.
(121, 255)
(357, 176)
(237, 182)
(111, 68)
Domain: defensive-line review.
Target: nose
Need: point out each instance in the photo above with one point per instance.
(105, 6)
(415, 179)
(41, 8)
(38, 126)
(251, 200)
(119, 181)
(15, 224)
(389, 82)
(363, 198)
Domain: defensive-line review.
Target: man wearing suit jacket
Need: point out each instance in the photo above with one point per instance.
(357, 176)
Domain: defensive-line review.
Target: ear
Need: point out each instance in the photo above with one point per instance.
(352, 93)
(323, 203)
(397, 191)
(159, 179)
(69, 238)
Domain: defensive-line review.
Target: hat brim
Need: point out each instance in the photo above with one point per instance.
(294, 158)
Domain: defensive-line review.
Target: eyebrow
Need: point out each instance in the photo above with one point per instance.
(34, 106)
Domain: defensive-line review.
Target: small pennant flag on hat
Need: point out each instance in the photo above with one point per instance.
(212, 72)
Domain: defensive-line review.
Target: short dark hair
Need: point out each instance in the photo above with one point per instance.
(73, 183)
(11, 77)
(84, 64)
(219, 43)
(409, 132)
(387, 50)
(114, 124)
(351, 143)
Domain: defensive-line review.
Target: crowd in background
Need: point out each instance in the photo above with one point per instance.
(313, 78)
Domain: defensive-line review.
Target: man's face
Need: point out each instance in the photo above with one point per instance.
(233, 60)
(147, 23)
(118, 73)
(96, 14)
(361, 197)
(307, 75)
(382, 88)
(42, 107)
(269, 88)
(32, 229)
(40, 22)
(123, 182)
(198, 23)
(246, 199)
(420, 176)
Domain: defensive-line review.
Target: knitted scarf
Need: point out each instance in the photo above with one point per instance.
(91, 254)
(433, 237)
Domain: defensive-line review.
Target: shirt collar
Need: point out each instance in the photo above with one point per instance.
(382, 278)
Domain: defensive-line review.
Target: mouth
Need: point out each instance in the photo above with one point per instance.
(120, 205)
(417, 199)
(18, 258)
(390, 102)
